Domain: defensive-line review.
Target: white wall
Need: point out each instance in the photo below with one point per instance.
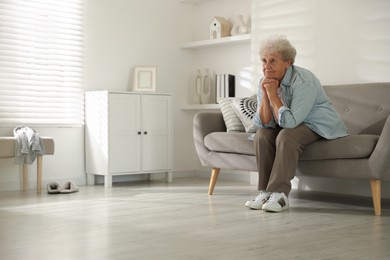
(121, 34)
(340, 41)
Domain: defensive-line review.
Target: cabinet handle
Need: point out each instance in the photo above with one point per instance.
(145, 133)
(139, 132)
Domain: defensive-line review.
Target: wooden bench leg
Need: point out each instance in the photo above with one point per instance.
(25, 177)
(376, 196)
(39, 173)
(213, 179)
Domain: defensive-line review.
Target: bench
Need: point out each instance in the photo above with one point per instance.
(7, 150)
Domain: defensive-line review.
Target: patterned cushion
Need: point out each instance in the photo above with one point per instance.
(232, 121)
(245, 108)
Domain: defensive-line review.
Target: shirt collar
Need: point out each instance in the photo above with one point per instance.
(286, 81)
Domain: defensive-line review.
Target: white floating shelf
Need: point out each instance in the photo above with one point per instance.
(236, 39)
(201, 107)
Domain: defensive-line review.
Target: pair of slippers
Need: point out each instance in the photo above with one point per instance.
(68, 187)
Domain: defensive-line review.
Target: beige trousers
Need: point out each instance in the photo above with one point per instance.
(277, 153)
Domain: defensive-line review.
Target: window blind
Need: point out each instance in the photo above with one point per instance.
(41, 62)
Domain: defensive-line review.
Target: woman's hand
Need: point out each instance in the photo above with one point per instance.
(265, 112)
(270, 87)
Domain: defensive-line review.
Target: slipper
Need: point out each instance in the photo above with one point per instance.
(69, 187)
(53, 188)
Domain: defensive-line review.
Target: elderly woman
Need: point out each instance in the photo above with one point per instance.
(293, 111)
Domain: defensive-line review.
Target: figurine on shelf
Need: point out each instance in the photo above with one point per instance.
(240, 26)
(219, 27)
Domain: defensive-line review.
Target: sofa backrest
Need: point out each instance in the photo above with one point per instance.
(363, 107)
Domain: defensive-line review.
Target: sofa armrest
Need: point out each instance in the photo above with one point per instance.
(379, 160)
(205, 123)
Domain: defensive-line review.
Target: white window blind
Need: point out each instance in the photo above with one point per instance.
(41, 62)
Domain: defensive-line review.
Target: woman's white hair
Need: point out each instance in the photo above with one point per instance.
(280, 44)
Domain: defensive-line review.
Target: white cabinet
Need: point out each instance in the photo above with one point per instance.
(127, 133)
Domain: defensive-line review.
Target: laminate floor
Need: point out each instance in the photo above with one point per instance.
(157, 220)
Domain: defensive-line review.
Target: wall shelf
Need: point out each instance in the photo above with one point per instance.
(201, 107)
(236, 39)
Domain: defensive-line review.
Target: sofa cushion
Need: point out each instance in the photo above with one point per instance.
(353, 146)
(232, 121)
(233, 142)
(245, 109)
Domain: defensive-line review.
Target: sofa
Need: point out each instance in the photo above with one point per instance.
(364, 154)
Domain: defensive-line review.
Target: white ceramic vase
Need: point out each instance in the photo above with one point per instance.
(239, 26)
(198, 86)
(206, 96)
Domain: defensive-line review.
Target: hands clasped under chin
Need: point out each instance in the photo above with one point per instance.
(270, 86)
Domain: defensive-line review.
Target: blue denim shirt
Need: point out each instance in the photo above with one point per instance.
(304, 101)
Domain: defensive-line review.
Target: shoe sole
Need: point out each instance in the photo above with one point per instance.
(274, 210)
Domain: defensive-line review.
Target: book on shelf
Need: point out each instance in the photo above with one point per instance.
(225, 85)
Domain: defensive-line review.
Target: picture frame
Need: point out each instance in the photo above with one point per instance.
(144, 78)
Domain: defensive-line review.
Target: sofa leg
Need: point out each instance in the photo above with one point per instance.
(213, 179)
(376, 196)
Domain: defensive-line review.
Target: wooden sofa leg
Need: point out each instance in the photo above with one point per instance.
(376, 196)
(213, 179)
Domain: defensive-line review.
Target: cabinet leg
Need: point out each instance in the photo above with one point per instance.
(90, 179)
(169, 176)
(108, 181)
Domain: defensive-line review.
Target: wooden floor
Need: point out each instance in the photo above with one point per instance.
(156, 220)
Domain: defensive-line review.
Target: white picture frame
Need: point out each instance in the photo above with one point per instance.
(144, 78)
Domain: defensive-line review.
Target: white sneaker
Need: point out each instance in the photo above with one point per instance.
(258, 202)
(277, 202)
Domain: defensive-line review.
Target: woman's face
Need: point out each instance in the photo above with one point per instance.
(273, 65)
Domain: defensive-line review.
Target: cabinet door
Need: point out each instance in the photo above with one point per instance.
(124, 138)
(156, 148)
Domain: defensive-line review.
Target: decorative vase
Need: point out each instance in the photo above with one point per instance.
(239, 26)
(206, 97)
(198, 87)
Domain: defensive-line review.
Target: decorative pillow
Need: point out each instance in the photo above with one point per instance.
(245, 108)
(232, 121)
